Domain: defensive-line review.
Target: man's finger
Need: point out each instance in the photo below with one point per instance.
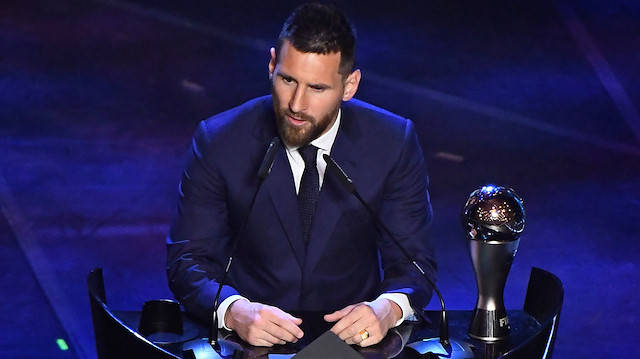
(286, 330)
(283, 325)
(358, 325)
(346, 326)
(338, 314)
(265, 339)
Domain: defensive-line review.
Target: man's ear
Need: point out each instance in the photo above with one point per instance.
(351, 85)
(272, 62)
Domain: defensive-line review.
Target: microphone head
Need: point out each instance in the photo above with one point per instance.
(337, 171)
(269, 157)
(493, 213)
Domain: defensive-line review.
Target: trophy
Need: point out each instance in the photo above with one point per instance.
(493, 219)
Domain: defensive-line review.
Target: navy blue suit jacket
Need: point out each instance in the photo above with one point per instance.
(346, 259)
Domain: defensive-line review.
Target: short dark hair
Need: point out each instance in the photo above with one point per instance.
(321, 29)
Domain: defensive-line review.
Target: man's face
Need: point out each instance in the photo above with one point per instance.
(307, 92)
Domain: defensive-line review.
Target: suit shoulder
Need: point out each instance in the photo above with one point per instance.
(372, 110)
(375, 119)
(238, 118)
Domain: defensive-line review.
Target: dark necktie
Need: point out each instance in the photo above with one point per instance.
(309, 189)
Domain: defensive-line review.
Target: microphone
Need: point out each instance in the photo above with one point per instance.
(426, 346)
(263, 172)
(267, 163)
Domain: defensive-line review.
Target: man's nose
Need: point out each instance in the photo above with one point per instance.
(298, 102)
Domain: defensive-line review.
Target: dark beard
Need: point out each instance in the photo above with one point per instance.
(296, 136)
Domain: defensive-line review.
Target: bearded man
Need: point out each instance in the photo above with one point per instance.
(320, 251)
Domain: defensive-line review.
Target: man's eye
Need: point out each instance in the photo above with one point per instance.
(287, 80)
(318, 88)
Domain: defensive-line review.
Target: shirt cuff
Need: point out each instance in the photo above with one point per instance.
(222, 310)
(402, 300)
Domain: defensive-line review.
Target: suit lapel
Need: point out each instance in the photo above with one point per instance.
(283, 197)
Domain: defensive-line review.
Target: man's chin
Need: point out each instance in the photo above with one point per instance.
(296, 136)
(295, 141)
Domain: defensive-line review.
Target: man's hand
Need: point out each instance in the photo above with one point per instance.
(262, 325)
(376, 318)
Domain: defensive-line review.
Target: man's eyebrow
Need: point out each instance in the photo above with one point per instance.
(286, 76)
(318, 86)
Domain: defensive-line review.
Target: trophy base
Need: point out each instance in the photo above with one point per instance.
(489, 325)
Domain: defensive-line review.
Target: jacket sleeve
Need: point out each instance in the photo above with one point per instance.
(198, 241)
(406, 211)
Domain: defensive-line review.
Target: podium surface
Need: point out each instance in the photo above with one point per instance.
(533, 330)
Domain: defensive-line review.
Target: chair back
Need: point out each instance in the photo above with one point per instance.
(114, 339)
(543, 302)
